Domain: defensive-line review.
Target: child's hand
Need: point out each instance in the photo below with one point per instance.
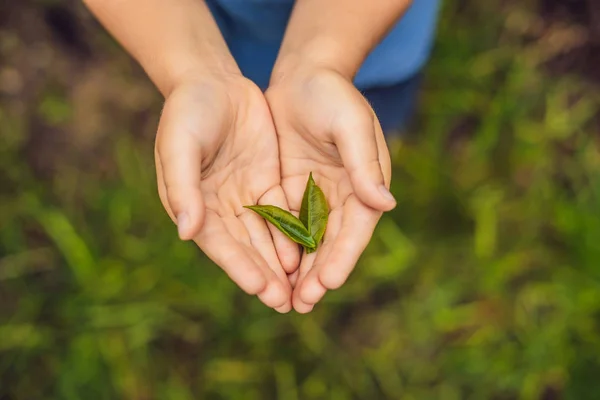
(325, 126)
(216, 151)
(216, 148)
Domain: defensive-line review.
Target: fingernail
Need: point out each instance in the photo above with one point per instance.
(183, 222)
(386, 193)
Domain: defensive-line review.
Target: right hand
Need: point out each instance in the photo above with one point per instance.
(216, 151)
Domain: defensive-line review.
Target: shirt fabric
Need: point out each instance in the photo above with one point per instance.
(254, 29)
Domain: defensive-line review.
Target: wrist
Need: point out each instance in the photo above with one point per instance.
(323, 54)
(168, 40)
(336, 34)
(183, 70)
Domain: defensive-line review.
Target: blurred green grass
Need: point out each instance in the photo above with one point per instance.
(484, 283)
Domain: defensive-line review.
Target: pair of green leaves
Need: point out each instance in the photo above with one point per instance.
(310, 228)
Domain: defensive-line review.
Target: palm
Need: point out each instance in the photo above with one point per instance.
(244, 167)
(299, 157)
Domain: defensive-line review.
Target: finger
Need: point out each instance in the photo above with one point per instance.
(261, 240)
(305, 266)
(271, 295)
(356, 140)
(178, 157)
(384, 154)
(286, 308)
(279, 290)
(287, 251)
(162, 190)
(348, 246)
(310, 290)
(231, 255)
(306, 263)
(293, 188)
(303, 308)
(293, 278)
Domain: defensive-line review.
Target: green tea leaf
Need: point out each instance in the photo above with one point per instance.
(314, 211)
(287, 223)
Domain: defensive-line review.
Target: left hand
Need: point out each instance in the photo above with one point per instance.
(326, 126)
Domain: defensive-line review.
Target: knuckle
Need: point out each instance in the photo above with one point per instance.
(255, 284)
(172, 197)
(370, 169)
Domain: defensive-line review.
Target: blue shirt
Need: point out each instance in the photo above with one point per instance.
(254, 29)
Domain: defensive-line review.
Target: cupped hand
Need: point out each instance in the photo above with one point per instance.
(326, 126)
(216, 151)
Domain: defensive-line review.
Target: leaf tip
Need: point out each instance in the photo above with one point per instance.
(253, 208)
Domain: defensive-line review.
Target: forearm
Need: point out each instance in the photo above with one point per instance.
(337, 34)
(171, 39)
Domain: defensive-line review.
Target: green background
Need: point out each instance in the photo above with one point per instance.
(484, 282)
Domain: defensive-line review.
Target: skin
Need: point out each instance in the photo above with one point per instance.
(222, 143)
(206, 175)
(216, 148)
(326, 126)
(342, 144)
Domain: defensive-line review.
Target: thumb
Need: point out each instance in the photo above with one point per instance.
(178, 160)
(357, 142)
